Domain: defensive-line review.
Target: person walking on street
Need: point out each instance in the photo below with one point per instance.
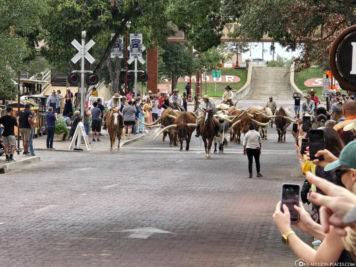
(272, 105)
(50, 126)
(25, 126)
(9, 122)
(129, 113)
(252, 147)
(96, 122)
(297, 98)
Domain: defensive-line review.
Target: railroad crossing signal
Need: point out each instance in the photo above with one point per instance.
(82, 53)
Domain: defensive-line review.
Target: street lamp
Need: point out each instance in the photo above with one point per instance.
(128, 25)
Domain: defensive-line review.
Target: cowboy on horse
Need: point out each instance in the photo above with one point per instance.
(207, 106)
(176, 101)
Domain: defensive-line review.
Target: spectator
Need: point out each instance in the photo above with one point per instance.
(30, 143)
(52, 101)
(50, 126)
(68, 105)
(308, 106)
(96, 122)
(75, 121)
(187, 89)
(94, 92)
(141, 119)
(337, 114)
(134, 127)
(297, 98)
(129, 113)
(155, 110)
(9, 122)
(314, 98)
(25, 126)
(349, 109)
(252, 147)
(185, 102)
(87, 115)
(102, 114)
(59, 102)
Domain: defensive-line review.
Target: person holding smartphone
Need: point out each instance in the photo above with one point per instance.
(252, 147)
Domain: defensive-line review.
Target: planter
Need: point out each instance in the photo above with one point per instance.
(59, 137)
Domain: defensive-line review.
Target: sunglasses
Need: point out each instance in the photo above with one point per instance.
(339, 173)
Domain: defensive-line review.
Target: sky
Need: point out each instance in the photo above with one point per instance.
(256, 52)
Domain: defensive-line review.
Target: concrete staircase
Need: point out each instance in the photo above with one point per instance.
(268, 82)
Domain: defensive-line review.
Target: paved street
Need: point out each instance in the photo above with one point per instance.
(148, 205)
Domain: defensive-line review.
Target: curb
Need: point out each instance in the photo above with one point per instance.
(6, 167)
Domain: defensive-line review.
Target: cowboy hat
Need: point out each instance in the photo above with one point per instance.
(175, 91)
(117, 95)
(206, 97)
(228, 87)
(149, 92)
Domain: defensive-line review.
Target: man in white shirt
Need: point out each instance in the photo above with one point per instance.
(228, 95)
(252, 147)
(176, 101)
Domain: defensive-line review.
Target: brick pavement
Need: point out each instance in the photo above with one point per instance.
(72, 208)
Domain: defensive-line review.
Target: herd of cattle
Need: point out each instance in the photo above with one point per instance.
(179, 126)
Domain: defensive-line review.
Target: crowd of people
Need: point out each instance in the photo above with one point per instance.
(329, 187)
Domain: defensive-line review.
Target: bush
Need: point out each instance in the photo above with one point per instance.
(61, 127)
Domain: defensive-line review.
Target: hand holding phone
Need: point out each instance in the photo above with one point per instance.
(306, 123)
(290, 196)
(316, 143)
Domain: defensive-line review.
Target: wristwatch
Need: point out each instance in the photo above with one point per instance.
(285, 237)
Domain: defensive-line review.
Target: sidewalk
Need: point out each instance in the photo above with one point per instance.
(20, 160)
(104, 144)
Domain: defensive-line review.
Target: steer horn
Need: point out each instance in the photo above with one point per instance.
(287, 118)
(232, 126)
(260, 123)
(225, 118)
(165, 129)
(151, 124)
(192, 124)
(171, 116)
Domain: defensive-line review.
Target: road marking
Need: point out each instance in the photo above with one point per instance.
(109, 186)
(144, 233)
(45, 208)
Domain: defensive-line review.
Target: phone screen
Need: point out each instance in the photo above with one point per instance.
(290, 197)
(295, 127)
(306, 123)
(316, 143)
(304, 145)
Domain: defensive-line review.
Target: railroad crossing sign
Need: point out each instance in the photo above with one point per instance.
(216, 74)
(82, 53)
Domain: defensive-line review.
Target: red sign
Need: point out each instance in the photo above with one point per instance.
(210, 79)
(314, 82)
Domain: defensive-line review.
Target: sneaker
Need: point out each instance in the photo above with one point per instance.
(33, 155)
(259, 175)
(94, 140)
(101, 134)
(7, 159)
(98, 140)
(250, 175)
(12, 160)
(26, 153)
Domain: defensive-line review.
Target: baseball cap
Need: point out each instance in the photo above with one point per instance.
(347, 158)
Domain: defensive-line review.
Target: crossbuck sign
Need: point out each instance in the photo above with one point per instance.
(79, 47)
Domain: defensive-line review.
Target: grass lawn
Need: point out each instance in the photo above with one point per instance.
(301, 77)
(220, 87)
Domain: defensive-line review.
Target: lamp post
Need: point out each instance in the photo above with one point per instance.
(127, 54)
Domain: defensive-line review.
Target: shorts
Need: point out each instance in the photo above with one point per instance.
(10, 140)
(25, 133)
(296, 109)
(128, 123)
(96, 126)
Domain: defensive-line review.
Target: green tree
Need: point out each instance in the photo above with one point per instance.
(176, 60)
(100, 18)
(20, 25)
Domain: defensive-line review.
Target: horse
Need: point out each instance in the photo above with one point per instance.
(207, 131)
(113, 126)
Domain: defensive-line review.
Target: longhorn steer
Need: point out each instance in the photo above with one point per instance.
(183, 127)
(282, 122)
(221, 140)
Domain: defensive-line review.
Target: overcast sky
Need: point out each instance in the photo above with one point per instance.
(256, 52)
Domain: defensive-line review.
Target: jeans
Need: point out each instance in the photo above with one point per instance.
(54, 106)
(253, 153)
(134, 128)
(30, 143)
(154, 117)
(50, 136)
(87, 128)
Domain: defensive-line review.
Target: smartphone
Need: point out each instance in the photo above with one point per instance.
(316, 143)
(303, 148)
(295, 127)
(290, 196)
(328, 116)
(306, 123)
